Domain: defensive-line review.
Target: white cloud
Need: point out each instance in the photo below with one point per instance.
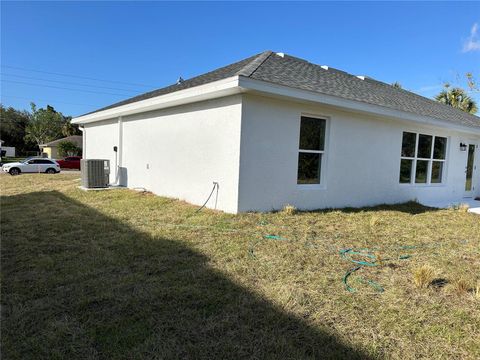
(473, 41)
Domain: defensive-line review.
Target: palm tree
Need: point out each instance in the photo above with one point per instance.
(68, 128)
(457, 98)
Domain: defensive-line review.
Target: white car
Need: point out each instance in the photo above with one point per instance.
(32, 165)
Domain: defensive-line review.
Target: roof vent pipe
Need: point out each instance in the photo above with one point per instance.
(324, 67)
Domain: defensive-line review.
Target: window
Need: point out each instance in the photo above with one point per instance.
(422, 158)
(40, 161)
(312, 149)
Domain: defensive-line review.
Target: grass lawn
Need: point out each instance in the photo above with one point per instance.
(125, 275)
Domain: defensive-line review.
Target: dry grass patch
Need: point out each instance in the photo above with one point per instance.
(476, 293)
(289, 210)
(117, 274)
(460, 287)
(461, 207)
(423, 276)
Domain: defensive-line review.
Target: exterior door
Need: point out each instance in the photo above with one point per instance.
(30, 167)
(470, 170)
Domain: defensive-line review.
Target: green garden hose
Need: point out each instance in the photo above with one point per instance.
(367, 253)
(372, 283)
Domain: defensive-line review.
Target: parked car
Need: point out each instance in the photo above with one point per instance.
(70, 162)
(32, 165)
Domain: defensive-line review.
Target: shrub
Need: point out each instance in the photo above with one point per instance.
(68, 148)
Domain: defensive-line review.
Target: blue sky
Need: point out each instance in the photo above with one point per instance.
(145, 45)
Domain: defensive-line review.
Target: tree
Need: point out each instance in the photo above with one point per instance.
(69, 129)
(44, 125)
(457, 98)
(12, 128)
(68, 148)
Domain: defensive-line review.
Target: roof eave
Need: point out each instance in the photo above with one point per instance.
(216, 89)
(238, 84)
(259, 86)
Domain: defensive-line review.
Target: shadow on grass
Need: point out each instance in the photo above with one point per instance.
(78, 284)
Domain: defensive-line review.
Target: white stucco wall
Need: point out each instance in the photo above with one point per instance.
(99, 140)
(362, 159)
(177, 152)
(249, 145)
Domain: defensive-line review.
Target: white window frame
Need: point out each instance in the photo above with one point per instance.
(430, 160)
(323, 163)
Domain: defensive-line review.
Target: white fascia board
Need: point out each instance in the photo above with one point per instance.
(216, 89)
(257, 86)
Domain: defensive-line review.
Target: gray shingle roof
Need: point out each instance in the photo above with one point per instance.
(298, 73)
(77, 139)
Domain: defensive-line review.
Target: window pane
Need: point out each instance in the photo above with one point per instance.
(312, 133)
(406, 171)
(470, 168)
(437, 172)
(421, 173)
(309, 168)
(408, 144)
(440, 148)
(424, 146)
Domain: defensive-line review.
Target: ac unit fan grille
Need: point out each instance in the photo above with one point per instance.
(95, 173)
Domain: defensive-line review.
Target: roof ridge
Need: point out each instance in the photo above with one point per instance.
(295, 72)
(253, 65)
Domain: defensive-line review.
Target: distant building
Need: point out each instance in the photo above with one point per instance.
(51, 148)
(9, 150)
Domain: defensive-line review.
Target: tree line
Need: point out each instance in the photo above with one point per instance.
(27, 130)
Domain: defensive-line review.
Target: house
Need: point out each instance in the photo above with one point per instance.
(274, 129)
(7, 151)
(51, 148)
